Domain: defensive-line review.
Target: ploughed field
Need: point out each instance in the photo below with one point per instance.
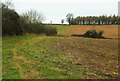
(63, 56)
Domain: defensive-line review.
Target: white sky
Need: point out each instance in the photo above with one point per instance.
(55, 10)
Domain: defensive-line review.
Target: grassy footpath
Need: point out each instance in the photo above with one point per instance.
(32, 57)
(9, 66)
(16, 49)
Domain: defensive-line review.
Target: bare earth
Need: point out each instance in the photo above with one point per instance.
(110, 31)
(99, 55)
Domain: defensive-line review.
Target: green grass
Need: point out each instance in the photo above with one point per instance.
(39, 57)
(60, 28)
(9, 66)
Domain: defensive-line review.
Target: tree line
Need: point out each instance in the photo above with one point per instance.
(28, 22)
(92, 20)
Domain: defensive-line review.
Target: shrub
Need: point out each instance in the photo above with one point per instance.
(50, 30)
(32, 23)
(39, 28)
(93, 34)
(101, 33)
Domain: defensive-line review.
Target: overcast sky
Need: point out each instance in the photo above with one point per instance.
(55, 10)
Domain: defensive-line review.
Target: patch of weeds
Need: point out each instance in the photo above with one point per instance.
(84, 71)
(57, 62)
(14, 68)
(56, 49)
(58, 55)
(78, 63)
(80, 69)
(45, 56)
(70, 62)
(42, 60)
(94, 70)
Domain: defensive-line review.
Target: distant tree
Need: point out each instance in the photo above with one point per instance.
(83, 19)
(109, 19)
(114, 19)
(95, 20)
(33, 16)
(50, 22)
(69, 17)
(62, 21)
(118, 20)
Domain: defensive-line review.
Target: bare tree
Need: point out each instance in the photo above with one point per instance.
(9, 3)
(69, 17)
(33, 16)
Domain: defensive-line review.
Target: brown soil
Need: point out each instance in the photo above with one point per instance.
(110, 31)
(100, 55)
(91, 54)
